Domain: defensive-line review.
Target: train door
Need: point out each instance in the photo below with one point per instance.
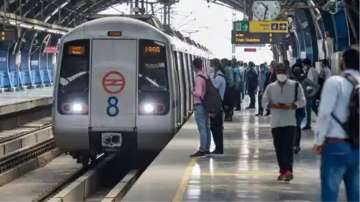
(113, 86)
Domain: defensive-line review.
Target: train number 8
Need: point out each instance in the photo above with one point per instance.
(112, 109)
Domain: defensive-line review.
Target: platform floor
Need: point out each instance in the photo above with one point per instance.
(247, 171)
(11, 102)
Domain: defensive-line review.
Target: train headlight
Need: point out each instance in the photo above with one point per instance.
(77, 108)
(148, 108)
(74, 108)
(152, 108)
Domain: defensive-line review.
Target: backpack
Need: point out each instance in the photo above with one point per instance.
(212, 100)
(351, 125)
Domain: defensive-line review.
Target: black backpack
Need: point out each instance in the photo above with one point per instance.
(351, 125)
(212, 100)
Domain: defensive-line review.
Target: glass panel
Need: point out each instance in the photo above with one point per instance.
(152, 66)
(74, 78)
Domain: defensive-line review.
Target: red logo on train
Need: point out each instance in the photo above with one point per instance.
(113, 82)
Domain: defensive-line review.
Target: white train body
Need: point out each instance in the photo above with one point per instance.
(121, 83)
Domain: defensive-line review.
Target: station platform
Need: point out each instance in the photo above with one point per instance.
(246, 172)
(12, 102)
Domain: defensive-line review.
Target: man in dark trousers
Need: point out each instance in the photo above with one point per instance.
(251, 84)
(217, 122)
(283, 97)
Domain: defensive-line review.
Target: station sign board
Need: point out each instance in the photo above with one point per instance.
(51, 50)
(278, 26)
(256, 38)
(259, 32)
(269, 27)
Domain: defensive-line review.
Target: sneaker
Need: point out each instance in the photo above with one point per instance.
(199, 154)
(281, 177)
(288, 176)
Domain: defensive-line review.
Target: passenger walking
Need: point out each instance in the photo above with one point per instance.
(217, 122)
(270, 77)
(201, 115)
(299, 75)
(280, 97)
(337, 146)
(311, 104)
(251, 84)
(262, 79)
(229, 92)
(238, 85)
(325, 73)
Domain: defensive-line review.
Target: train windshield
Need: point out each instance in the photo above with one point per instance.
(74, 75)
(152, 66)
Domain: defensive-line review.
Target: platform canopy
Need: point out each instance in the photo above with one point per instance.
(69, 13)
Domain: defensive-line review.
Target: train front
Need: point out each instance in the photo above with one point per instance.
(111, 94)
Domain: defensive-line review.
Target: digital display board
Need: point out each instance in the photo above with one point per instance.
(8, 35)
(256, 38)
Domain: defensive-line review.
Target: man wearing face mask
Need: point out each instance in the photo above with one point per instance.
(283, 97)
(300, 76)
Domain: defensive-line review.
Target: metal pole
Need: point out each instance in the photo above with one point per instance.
(137, 7)
(169, 14)
(165, 13)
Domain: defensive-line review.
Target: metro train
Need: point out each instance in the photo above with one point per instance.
(122, 83)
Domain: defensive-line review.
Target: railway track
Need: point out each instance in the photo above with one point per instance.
(109, 180)
(20, 156)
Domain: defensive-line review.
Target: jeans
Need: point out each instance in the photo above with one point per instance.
(283, 143)
(202, 121)
(339, 162)
(260, 95)
(217, 128)
(300, 115)
(310, 105)
(252, 99)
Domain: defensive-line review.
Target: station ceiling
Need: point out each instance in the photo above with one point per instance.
(73, 12)
(69, 13)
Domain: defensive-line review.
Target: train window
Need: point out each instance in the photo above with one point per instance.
(152, 66)
(74, 78)
(154, 97)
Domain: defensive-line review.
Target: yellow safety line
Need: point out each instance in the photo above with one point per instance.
(242, 173)
(184, 180)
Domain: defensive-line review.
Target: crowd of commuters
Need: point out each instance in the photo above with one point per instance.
(290, 94)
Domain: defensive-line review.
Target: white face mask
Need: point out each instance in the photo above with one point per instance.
(281, 77)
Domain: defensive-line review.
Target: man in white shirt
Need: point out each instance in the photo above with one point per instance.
(339, 161)
(283, 97)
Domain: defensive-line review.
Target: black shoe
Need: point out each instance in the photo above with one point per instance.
(297, 150)
(307, 128)
(199, 154)
(215, 152)
(267, 114)
(258, 114)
